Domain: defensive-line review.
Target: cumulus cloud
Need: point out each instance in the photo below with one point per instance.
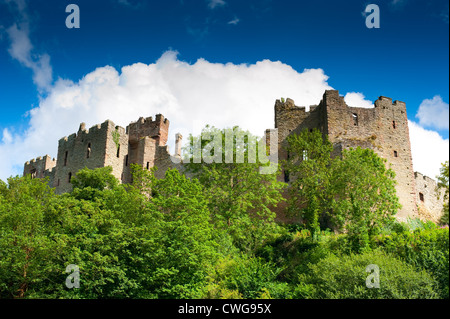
(7, 137)
(22, 49)
(133, 4)
(428, 149)
(189, 95)
(433, 113)
(357, 99)
(235, 21)
(216, 3)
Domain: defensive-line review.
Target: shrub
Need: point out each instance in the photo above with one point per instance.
(345, 278)
(426, 249)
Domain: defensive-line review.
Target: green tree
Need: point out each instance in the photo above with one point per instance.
(183, 248)
(26, 251)
(308, 166)
(363, 195)
(240, 198)
(443, 183)
(88, 184)
(424, 248)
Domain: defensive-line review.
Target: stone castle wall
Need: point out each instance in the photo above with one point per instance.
(383, 128)
(142, 142)
(40, 167)
(430, 199)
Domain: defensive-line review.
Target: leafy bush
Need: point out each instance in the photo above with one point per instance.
(345, 277)
(247, 277)
(425, 249)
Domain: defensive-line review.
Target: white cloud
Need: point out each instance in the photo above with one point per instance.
(428, 150)
(433, 113)
(357, 99)
(216, 3)
(235, 21)
(7, 137)
(189, 95)
(398, 2)
(22, 49)
(133, 4)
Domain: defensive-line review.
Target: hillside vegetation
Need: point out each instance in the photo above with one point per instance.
(215, 235)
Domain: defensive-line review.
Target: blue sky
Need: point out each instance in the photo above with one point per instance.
(41, 59)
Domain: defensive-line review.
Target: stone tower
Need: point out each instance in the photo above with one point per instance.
(142, 143)
(383, 128)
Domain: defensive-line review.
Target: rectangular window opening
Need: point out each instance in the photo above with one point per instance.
(355, 119)
(286, 177)
(65, 158)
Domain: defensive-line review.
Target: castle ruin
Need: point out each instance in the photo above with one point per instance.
(142, 142)
(383, 128)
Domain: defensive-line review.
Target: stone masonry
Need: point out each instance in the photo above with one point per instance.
(383, 128)
(142, 142)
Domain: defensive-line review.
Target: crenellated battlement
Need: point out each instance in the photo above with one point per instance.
(382, 128)
(94, 131)
(427, 179)
(142, 142)
(45, 158)
(289, 105)
(157, 129)
(384, 102)
(39, 167)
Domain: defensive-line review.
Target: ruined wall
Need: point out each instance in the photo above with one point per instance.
(157, 129)
(346, 126)
(392, 128)
(291, 119)
(430, 200)
(87, 148)
(38, 166)
(142, 142)
(383, 128)
(116, 151)
(41, 167)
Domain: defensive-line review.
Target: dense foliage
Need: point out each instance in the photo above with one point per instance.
(214, 235)
(443, 185)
